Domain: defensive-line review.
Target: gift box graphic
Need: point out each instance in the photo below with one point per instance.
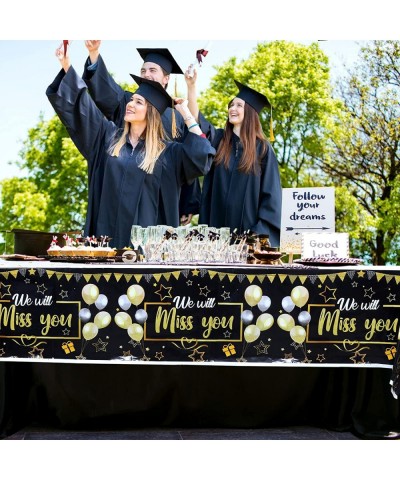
(390, 352)
(229, 349)
(68, 347)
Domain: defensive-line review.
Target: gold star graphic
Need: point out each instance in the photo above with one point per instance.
(145, 359)
(189, 283)
(361, 274)
(32, 271)
(261, 348)
(197, 356)
(159, 355)
(166, 294)
(100, 345)
(368, 292)
(6, 288)
(205, 291)
(328, 294)
(226, 295)
(36, 352)
(321, 357)
(80, 357)
(358, 357)
(306, 360)
(41, 288)
(195, 272)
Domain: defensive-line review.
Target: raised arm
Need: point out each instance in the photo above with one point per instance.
(191, 93)
(86, 125)
(109, 97)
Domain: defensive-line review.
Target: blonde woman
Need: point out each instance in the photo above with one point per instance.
(126, 168)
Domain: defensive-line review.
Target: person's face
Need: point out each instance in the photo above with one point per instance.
(136, 109)
(236, 111)
(154, 72)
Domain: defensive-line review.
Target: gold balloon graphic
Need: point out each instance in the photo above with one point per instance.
(299, 296)
(265, 321)
(298, 334)
(89, 331)
(135, 293)
(102, 319)
(253, 295)
(251, 333)
(286, 322)
(123, 319)
(135, 331)
(90, 293)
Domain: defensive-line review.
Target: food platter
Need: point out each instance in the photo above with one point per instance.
(328, 261)
(267, 257)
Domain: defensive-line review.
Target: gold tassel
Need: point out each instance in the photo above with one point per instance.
(174, 131)
(271, 129)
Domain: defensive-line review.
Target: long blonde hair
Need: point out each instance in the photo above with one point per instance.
(154, 139)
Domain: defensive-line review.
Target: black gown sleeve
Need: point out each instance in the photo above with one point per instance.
(109, 97)
(270, 201)
(86, 125)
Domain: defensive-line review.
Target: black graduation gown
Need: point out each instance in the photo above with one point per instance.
(120, 193)
(112, 100)
(238, 200)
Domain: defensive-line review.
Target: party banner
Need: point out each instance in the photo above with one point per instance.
(193, 314)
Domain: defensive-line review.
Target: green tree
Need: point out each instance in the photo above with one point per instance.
(295, 79)
(365, 155)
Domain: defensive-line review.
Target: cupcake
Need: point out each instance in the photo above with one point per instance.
(54, 249)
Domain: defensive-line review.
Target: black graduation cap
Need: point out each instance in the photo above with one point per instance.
(162, 57)
(154, 93)
(256, 100)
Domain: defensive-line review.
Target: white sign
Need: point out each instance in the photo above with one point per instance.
(330, 245)
(305, 210)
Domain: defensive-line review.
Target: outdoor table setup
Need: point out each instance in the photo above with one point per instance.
(99, 342)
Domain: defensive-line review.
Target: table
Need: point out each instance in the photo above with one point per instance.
(183, 344)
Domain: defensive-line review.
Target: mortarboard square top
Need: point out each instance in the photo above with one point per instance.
(162, 57)
(154, 93)
(255, 99)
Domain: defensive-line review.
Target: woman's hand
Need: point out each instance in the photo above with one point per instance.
(93, 49)
(63, 58)
(191, 76)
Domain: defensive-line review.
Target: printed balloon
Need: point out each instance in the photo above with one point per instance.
(298, 334)
(123, 319)
(90, 293)
(264, 303)
(299, 296)
(101, 302)
(135, 331)
(265, 321)
(89, 331)
(286, 322)
(251, 333)
(141, 316)
(102, 319)
(247, 317)
(287, 304)
(135, 294)
(124, 302)
(84, 314)
(304, 318)
(253, 295)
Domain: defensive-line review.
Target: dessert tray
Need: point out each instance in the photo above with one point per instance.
(328, 261)
(267, 257)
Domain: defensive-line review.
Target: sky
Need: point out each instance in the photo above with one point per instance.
(27, 67)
